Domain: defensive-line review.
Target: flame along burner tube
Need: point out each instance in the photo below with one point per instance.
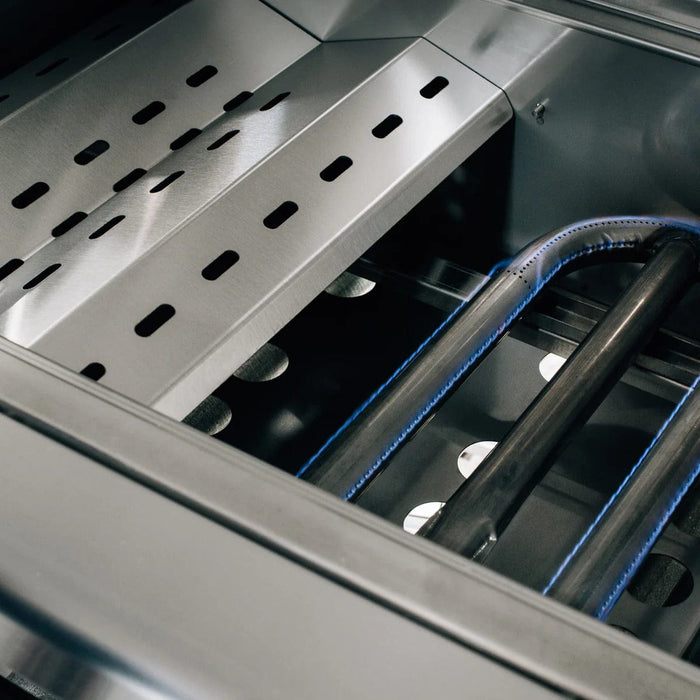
(474, 517)
(606, 558)
(361, 446)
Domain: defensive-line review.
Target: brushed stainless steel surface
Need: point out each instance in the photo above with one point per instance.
(670, 26)
(516, 50)
(635, 26)
(247, 42)
(680, 15)
(634, 153)
(170, 563)
(194, 609)
(364, 19)
(52, 668)
(339, 93)
(469, 603)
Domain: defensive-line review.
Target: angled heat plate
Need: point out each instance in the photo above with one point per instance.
(246, 42)
(171, 284)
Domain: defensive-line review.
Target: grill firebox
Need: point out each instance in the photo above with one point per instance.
(304, 357)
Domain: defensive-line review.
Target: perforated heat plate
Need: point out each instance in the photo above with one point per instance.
(240, 177)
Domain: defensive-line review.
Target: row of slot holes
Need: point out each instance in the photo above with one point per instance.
(157, 318)
(342, 163)
(97, 148)
(39, 189)
(78, 216)
(60, 61)
(195, 80)
(274, 220)
(163, 313)
(268, 363)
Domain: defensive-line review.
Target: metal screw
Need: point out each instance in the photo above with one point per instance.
(538, 112)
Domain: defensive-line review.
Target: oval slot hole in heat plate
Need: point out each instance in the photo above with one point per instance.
(128, 179)
(69, 223)
(237, 101)
(148, 112)
(283, 212)
(222, 140)
(386, 126)
(106, 227)
(42, 276)
(51, 67)
(335, 169)
(167, 181)
(9, 267)
(94, 371)
(30, 195)
(274, 101)
(155, 320)
(218, 266)
(185, 138)
(435, 86)
(201, 76)
(88, 154)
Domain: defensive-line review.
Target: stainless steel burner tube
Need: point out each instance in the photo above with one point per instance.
(608, 555)
(360, 447)
(478, 512)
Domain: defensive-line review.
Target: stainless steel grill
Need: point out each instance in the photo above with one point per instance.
(245, 242)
